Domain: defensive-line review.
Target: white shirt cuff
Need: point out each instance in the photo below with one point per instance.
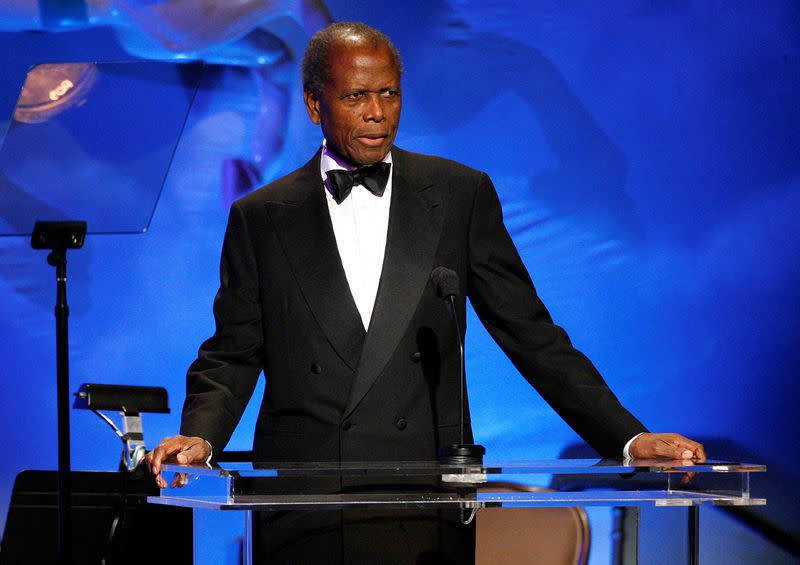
(211, 454)
(626, 451)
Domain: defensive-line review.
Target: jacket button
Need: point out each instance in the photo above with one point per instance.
(401, 424)
(316, 369)
(416, 356)
(346, 425)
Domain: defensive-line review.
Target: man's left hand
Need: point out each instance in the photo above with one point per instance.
(667, 446)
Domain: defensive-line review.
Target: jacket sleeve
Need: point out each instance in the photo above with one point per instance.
(221, 380)
(504, 298)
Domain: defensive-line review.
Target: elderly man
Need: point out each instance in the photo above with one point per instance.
(325, 286)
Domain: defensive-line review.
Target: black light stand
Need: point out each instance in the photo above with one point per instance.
(131, 402)
(58, 237)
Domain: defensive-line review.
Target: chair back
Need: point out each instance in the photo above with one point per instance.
(544, 536)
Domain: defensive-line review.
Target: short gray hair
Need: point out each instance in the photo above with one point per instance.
(316, 61)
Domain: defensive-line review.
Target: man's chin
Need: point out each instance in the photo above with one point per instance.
(373, 155)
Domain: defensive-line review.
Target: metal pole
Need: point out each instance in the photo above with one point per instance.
(58, 258)
(694, 535)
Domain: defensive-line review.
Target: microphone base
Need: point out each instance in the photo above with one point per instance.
(461, 454)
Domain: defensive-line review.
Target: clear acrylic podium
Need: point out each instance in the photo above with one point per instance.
(247, 487)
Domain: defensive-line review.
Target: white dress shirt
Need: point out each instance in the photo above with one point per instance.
(360, 224)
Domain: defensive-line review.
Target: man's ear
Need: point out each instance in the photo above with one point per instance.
(312, 106)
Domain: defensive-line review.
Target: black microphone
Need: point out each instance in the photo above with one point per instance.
(446, 282)
(447, 287)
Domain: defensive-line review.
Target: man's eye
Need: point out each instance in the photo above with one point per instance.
(389, 93)
(355, 95)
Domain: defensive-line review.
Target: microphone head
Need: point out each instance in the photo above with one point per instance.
(446, 282)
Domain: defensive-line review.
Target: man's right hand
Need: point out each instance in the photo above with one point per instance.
(184, 450)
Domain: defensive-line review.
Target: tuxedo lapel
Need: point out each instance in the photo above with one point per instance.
(415, 221)
(303, 225)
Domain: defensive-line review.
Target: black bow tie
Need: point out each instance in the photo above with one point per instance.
(374, 178)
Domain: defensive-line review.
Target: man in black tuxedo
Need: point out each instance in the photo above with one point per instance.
(325, 286)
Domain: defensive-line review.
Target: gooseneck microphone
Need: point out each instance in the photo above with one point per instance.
(446, 282)
(447, 287)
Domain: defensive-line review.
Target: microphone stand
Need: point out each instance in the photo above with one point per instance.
(460, 453)
(461, 369)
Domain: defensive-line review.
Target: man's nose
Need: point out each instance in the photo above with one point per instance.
(373, 112)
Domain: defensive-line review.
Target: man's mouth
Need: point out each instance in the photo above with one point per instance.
(372, 139)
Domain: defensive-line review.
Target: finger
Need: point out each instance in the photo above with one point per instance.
(700, 453)
(692, 449)
(147, 464)
(674, 447)
(169, 446)
(155, 460)
(179, 480)
(665, 449)
(684, 441)
(194, 452)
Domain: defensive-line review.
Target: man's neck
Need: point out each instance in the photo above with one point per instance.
(343, 163)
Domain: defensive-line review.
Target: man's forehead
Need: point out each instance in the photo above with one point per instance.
(346, 62)
(361, 48)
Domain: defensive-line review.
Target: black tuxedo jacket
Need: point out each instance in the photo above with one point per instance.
(336, 392)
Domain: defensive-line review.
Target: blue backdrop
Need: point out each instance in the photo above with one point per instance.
(646, 154)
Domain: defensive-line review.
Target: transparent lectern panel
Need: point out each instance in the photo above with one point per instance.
(415, 484)
(94, 142)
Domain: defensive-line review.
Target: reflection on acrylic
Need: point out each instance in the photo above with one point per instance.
(52, 88)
